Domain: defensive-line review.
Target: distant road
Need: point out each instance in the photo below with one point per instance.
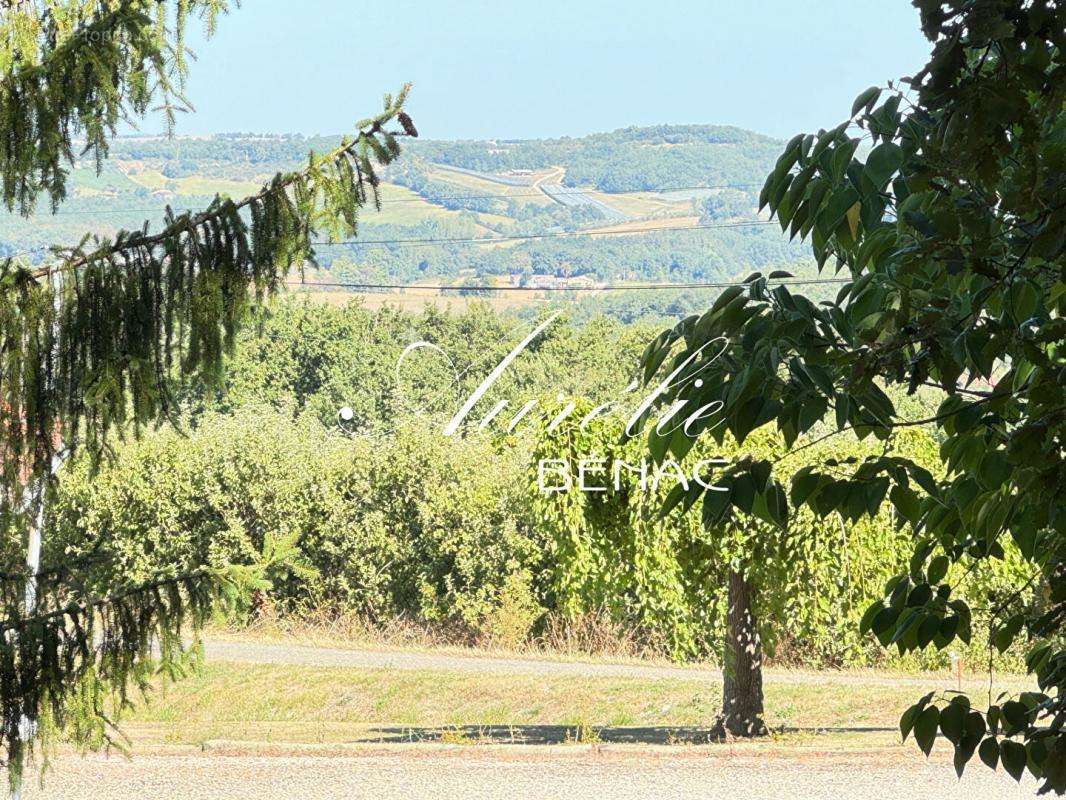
(257, 653)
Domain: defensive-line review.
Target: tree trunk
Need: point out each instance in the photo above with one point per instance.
(742, 700)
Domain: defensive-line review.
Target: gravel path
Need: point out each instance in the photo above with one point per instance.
(256, 653)
(467, 773)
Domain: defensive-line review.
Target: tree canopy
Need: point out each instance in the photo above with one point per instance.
(77, 68)
(943, 199)
(95, 343)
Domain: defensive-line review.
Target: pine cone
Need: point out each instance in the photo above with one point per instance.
(407, 125)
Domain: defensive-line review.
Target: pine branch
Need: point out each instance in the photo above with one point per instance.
(71, 668)
(82, 609)
(68, 75)
(103, 348)
(181, 225)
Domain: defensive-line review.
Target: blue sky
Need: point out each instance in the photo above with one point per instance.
(549, 67)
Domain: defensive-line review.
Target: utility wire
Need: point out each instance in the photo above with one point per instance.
(604, 288)
(429, 241)
(440, 200)
(551, 235)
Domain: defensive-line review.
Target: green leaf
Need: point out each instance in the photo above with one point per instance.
(1005, 635)
(804, 484)
(922, 477)
(866, 99)
(883, 624)
(953, 722)
(989, 752)
(910, 716)
(716, 507)
(672, 499)
(1013, 756)
(938, 568)
(868, 618)
(925, 728)
(777, 504)
(920, 595)
(843, 404)
(906, 502)
(727, 296)
(882, 163)
(744, 491)
(1016, 715)
(928, 629)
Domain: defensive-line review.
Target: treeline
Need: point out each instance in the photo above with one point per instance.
(655, 158)
(383, 516)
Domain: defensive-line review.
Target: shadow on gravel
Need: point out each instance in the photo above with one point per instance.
(569, 734)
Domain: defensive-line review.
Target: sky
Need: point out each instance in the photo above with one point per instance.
(546, 68)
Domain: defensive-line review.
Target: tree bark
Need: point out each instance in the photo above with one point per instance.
(742, 698)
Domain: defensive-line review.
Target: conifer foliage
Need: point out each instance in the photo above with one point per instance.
(94, 344)
(76, 68)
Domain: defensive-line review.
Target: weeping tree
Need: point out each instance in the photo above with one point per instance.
(732, 585)
(942, 200)
(96, 342)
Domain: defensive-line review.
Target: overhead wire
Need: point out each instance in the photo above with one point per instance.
(610, 231)
(603, 288)
(441, 200)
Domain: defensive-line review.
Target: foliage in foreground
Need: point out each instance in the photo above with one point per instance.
(94, 344)
(952, 233)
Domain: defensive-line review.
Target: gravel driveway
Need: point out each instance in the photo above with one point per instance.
(464, 773)
(442, 772)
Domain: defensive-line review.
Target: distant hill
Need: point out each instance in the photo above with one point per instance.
(655, 158)
(668, 203)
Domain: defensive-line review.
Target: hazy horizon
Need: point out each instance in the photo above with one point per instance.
(546, 70)
(178, 134)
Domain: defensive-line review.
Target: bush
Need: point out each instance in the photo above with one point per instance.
(405, 524)
(447, 534)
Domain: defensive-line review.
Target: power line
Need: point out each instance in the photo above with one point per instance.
(604, 288)
(429, 241)
(552, 235)
(426, 242)
(440, 200)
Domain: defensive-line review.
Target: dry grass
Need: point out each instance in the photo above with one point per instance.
(596, 635)
(413, 299)
(328, 704)
(593, 636)
(642, 204)
(641, 225)
(283, 704)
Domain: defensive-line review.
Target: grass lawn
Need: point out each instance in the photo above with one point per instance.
(298, 704)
